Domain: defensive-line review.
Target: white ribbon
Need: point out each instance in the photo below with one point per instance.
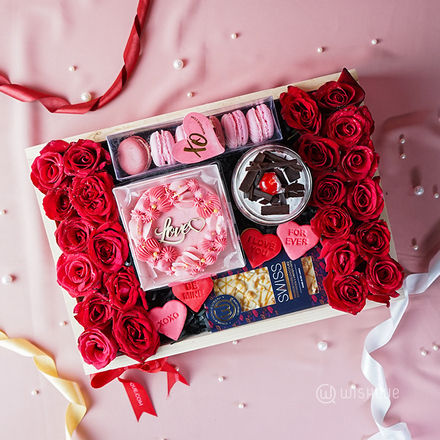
(381, 335)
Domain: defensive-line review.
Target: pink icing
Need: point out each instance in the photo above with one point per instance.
(178, 228)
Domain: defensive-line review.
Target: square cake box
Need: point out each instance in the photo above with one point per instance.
(205, 339)
(180, 214)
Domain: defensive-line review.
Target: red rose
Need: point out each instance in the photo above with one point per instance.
(77, 274)
(328, 189)
(93, 199)
(365, 199)
(47, 170)
(57, 205)
(350, 126)
(359, 162)
(318, 153)
(97, 347)
(108, 247)
(347, 293)
(94, 310)
(384, 277)
(334, 95)
(373, 238)
(72, 235)
(84, 157)
(300, 111)
(341, 256)
(124, 290)
(135, 334)
(331, 222)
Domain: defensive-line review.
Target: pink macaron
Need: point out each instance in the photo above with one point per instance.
(161, 144)
(260, 122)
(236, 129)
(134, 155)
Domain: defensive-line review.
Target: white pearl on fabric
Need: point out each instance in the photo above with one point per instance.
(320, 49)
(176, 368)
(241, 405)
(72, 68)
(234, 36)
(419, 190)
(403, 156)
(190, 94)
(221, 379)
(234, 342)
(435, 347)
(353, 386)
(402, 139)
(374, 41)
(436, 195)
(322, 345)
(7, 279)
(415, 247)
(63, 323)
(423, 352)
(34, 392)
(178, 64)
(3, 212)
(86, 96)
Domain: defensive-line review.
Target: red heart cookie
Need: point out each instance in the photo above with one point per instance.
(296, 239)
(258, 247)
(194, 293)
(200, 141)
(169, 319)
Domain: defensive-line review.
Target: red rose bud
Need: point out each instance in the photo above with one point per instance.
(94, 310)
(270, 183)
(360, 162)
(328, 189)
(341, 256)
(373, 238)
(57, 205)
(365, 199)
(72, 235)
(331, 222)
(318, 153)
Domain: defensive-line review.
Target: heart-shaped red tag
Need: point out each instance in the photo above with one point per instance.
(194, 293)
(296, 239)
(169, 319)
(200, 141)
(258, 247)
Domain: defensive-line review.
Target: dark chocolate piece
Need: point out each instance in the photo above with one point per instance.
(294, 194)
(275, 200)
(264, 166)
(294, 186)
(283, 200)
(281, 177)
(292, 174)
(248, 180)
(272, 156)
(275, 210)
(261, 194)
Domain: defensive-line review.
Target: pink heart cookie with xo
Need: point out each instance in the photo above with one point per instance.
(200, 141)
(258, 247)
(296, 239)
(169, 319)
(194, 293)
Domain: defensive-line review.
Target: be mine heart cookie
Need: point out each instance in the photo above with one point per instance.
(200, 141)
(296, 239)
(194, 293)
(169, 319)
(258, 247)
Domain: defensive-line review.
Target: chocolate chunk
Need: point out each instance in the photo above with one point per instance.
(275, 210)
(262, 195)
(272, 156)
(283, 200)
(281, 177)
(275, 200)
(264, 166)
(294, 186)
(295, 194)
(248, 180)
(292, 174)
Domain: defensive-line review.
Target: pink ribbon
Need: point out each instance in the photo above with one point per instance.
(56, 104)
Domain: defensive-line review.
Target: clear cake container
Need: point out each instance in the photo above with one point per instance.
(283, 173)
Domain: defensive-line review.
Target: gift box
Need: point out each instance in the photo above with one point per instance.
(302, 315)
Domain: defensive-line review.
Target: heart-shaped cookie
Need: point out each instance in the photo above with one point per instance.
(296, 239)
(200, 141)
(194, 293)
(258, 247)
(169, 319)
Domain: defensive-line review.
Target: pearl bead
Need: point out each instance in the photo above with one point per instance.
(234, 36)
(322, 345)
(3, 212)
(423, 352)
(403, 156)
(353, 386)
(320, 49)
(234, 342)
(190, 94)
(374, 41)
(7, 279)
(34, 392)
(415, 247)
(419, 190)
(72, 68)
(241, 405)
(86, 96)
(221, 379)
(63, 323)
(436, 195)
(176, 368)
(178, 64)
(435, 347)
(402, 139)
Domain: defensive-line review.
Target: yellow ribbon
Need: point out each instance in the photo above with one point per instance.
(70, 390)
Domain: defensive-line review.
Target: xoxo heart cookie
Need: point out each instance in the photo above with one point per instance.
(194, 293)
(169, 319)
(258, 247)
(200, 141)
(296, 239)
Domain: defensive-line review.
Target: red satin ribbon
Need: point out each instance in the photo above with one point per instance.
(56, 104)
(138, 396)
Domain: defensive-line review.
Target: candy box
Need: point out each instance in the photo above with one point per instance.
(180, 226)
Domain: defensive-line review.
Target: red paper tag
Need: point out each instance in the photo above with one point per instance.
(139, 399)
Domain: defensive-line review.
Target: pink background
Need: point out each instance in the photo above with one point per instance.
(275, 375)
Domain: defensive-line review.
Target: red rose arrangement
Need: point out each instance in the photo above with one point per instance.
(335, 143)
(111, 305)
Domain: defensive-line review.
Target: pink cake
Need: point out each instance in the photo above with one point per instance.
(178, 228)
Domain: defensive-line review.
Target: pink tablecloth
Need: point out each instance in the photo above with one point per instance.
(276, 376)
